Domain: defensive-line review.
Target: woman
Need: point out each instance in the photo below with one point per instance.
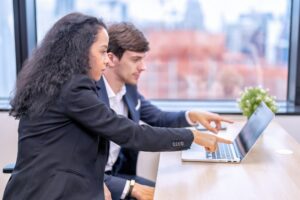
(64, 129)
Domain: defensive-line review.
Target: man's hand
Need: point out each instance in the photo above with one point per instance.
(209, 141)
(205, 118)
(107, 195)
(142, 192)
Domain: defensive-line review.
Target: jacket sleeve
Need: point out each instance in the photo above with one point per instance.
(81, 104)
(156, 117)
(115, 185)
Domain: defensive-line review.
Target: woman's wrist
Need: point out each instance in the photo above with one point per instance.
(195, 135)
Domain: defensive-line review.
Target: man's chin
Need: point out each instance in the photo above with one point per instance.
(132, 82)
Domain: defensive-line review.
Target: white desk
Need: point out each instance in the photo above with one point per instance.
(268, 172)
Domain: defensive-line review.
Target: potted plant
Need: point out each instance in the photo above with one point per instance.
(251, 97)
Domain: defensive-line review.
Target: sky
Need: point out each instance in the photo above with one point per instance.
(215, 11)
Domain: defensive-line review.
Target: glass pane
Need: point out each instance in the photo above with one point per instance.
(199, 49)
(7, 51)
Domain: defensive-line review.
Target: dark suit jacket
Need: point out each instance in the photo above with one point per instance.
(138, 109)
(62, 154)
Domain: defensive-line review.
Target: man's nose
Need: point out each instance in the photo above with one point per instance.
(142, 66)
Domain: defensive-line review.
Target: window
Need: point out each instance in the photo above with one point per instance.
(200, 49)
(7, 52)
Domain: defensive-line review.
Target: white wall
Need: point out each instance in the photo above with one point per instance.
(8, 142)
(8, 145)
(291, 124)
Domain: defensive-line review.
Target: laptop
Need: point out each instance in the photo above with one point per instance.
(241, 145)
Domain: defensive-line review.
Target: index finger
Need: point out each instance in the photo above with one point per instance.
(223, 140)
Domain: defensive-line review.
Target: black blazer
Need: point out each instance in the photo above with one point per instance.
(138, 109)
(62, 154)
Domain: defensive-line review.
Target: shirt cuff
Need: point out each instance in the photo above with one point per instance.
(189, 120)
(126, 190)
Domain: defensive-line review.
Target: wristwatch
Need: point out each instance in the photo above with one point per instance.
(132, 182)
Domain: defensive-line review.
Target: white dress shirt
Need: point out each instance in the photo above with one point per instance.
(117, 104)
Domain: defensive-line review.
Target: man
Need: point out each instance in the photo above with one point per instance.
(127, 50)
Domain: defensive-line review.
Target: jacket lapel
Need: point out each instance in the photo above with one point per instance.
(102, 92)
(129, 101)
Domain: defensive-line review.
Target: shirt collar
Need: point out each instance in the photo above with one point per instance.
(111, 94)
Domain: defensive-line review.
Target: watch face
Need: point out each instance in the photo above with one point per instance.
(132, 182)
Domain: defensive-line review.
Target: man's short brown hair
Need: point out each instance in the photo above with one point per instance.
(125, 36)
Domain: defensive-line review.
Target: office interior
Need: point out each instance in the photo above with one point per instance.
(203, 54)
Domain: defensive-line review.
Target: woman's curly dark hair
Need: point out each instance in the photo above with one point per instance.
(63, 53)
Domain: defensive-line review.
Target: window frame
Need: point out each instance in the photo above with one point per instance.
(25, 29)
(26, 40)
(293, 94)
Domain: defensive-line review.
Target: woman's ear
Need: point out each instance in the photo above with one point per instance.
(112, 60)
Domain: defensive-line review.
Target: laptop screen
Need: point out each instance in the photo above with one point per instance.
(256, 124)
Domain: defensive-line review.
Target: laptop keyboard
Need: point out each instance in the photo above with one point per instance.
(224, 152)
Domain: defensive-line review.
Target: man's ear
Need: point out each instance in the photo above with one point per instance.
(113, 59)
